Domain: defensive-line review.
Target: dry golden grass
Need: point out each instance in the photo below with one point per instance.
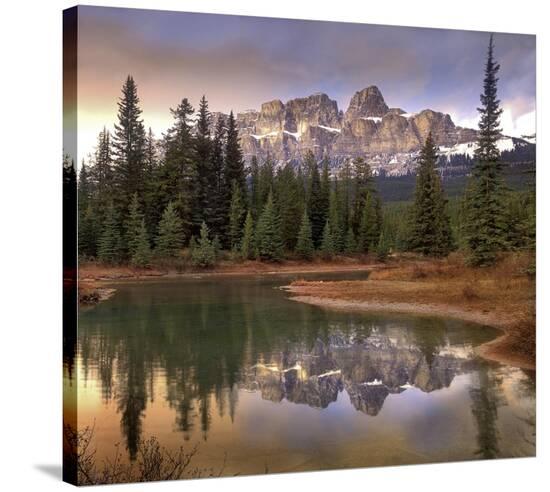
(98, 271)
(505, 292)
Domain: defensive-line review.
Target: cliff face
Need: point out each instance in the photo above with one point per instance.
(369, 128)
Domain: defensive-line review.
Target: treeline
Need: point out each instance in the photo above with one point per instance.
(141, 198)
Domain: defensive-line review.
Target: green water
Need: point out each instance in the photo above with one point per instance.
(266, 383)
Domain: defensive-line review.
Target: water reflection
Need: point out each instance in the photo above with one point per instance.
(199, 347)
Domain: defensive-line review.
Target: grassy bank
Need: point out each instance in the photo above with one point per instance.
(91, 271)
(502, 296)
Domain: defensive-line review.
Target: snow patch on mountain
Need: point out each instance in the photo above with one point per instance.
(267, 135)
(468, 148)
(376, 119)
(296, 135)
(330, 129)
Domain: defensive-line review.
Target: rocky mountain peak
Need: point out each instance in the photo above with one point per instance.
(366, 103)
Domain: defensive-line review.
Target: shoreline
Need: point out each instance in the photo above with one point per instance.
(122, 275)
(92, 288)
(495, 350)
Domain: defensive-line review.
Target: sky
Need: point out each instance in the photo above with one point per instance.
(240, 62)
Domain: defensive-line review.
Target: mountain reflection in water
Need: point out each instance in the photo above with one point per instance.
(221, 361)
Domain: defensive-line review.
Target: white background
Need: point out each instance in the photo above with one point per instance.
(30, 242)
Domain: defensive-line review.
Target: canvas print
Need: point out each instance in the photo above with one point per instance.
(294, 245)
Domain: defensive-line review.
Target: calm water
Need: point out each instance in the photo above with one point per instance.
(232, 364)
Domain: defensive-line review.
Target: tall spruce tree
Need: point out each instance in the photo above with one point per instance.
(485, 226)
(383, 248)
(236, 216)
(204, 163)
(219, 218)
(247, 243)
(335, 217)
(350, 246)
(369, 231)
(102, 171)
(325, 187)
(133, 226)
(316, 203)
(234, 164)
(266, 180)
(254, 200)
(431, 229)
(128, 146)
(346, 193)
(84, 188)
(151, 212)
(304, 243)
(327, 243)
(445, 241)
(170, 233)
(268, 240)
(289, 205)
(204, 253)
(363, 184)
(179, 181)
(141, 255)
(110, 239)
(87, 232)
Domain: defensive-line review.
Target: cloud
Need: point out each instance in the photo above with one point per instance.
(240, 62)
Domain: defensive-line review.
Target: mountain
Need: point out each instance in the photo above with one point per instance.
(367, 369)
(388, 137)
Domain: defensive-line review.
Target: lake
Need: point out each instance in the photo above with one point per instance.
(262, 383)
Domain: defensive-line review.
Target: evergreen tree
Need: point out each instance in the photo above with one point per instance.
(216, 246)
(247, 243)
(234, 164)
(350, 246)
(485, 217)
(301, 188)
(101, 172)
(128, 148)
(254, 198)
(236, 216)
(133, 226)
(289, 206)
(110, 240)
(369, 231)
(219, 218)
(444, 243)
(192, 246)
(87, 232)
(335, 217)
(382, 249)
(316, 202)
(170, 234)
(152, 213)
(206, 181)
(363, 184)
(266, 180)
(204, 254)
(179, 181)
(268, 239)
(431, 230)
(84, 188)
(304, 244)
(327, 244)
(346, 194)
(141, 255)
(325, 187)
